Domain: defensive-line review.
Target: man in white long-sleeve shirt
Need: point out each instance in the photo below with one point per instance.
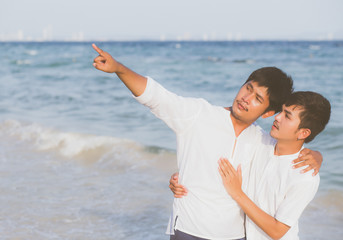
(204, 134)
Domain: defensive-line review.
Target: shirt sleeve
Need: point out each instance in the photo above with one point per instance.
(179, 113)
(297, 198)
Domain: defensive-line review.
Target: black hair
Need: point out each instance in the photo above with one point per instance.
(315, 114)
(279, 85)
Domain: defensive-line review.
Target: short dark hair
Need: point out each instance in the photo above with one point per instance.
(315, 114)
(279, 85)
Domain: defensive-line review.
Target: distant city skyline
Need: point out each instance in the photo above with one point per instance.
(79, 36)
(47, 35)
(216, 20)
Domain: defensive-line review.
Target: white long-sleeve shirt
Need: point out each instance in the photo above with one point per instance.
(204, 134)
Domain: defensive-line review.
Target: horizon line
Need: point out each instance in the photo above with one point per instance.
(175, 40)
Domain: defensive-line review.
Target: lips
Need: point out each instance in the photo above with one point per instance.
(241, 106)
(275, 125)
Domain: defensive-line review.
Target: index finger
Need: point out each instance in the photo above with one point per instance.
(226, 166)
(297, 160)
(226, 163)
(176, 185)
(97, 49)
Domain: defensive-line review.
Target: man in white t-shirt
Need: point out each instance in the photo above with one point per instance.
(276, 194)
(204, 134)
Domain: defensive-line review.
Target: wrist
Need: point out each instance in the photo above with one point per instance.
(238, 196)
(120, 68)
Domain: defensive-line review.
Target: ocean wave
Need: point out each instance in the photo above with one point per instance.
(88, 148)
(68, 144)
(247, 61)
(314, 47)
(22, 62)
(31, 52)
(215, 59)
(56, 64)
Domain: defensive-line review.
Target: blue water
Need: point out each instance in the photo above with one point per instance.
(81, 159)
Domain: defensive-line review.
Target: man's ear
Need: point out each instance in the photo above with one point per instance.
(268, 114)
(304, 133)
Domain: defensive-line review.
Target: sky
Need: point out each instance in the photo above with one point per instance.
(171, 20)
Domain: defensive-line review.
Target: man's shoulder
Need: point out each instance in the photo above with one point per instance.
(297, 176)
(153, 86)
(262, 137)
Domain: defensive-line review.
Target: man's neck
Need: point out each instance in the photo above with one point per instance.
(238, 125)
(287, 147)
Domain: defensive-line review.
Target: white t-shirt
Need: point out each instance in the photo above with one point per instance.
(204, 134)
(279, 190)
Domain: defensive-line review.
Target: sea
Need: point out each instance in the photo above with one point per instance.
(81, 159)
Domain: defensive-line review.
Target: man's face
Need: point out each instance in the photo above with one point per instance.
(250, 103)
(286, 124)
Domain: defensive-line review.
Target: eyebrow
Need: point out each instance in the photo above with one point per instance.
(287, 112)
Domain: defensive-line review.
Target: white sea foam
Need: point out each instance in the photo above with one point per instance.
(23, 62)
(314, 47)
(247, 61)
(31, 52)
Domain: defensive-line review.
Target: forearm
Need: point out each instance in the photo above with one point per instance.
(133, 81)
(267, 223)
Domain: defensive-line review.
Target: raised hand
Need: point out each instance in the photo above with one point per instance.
(232, 179)
(105, 62)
